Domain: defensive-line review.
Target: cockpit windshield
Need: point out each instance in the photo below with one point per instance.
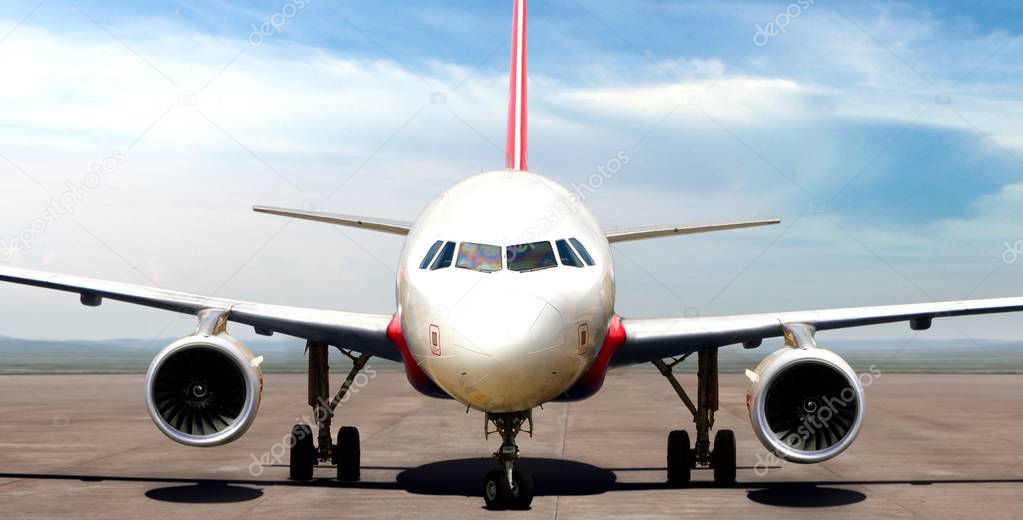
(582, 251)
(566, 254)
(486, 258)
(444, 258)
(430, 254)
(531, 257)
(479, 257)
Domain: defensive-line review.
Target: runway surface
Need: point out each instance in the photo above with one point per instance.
(934, 446)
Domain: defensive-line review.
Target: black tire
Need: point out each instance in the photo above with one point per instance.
(723, 457)
(524, 489)
(303, 454)
(680, 458)
(348, 454)
(496, 492)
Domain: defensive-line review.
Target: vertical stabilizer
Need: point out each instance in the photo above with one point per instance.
(516, 142)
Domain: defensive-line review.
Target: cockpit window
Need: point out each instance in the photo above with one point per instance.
(444, 258)
(582, 251)
(430, 254)
(566, 254)
(530, 257)
(479, 257)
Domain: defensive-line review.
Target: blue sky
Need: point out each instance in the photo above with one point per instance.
(886, 135)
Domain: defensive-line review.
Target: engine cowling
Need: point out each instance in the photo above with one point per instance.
(204, 390)
(806, 404)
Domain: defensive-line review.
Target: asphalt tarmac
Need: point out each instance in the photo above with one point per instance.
(82, 446)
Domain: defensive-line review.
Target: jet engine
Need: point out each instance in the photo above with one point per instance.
(806, 404)
(204, 390)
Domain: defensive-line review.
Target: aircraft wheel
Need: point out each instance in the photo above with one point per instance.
(524, 489)
(498, 495)
(496, 492)
(348, 454)
(723, 457)
(303, 454)
(680, 458)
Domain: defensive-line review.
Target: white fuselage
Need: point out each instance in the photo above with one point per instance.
(506, 340)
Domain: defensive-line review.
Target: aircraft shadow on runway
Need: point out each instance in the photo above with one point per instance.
(462, 477)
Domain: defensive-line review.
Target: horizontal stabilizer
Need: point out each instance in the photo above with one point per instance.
(395, 227)
(654, 232)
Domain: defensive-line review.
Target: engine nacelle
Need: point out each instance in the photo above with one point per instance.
(806, 404)
(204, 390)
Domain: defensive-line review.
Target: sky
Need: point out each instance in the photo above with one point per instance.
(136, 136)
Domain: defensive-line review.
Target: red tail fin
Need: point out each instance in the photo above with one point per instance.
(516, 143)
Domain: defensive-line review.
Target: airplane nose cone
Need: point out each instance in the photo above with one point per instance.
(507, 349)
(506, 326)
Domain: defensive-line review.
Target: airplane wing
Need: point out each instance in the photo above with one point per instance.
(651, 339)
(361, 332)
(663, 231)
(394, 227)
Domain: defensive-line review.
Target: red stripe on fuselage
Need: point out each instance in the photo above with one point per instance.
(593, 379)
(416, 377)
(516, 140)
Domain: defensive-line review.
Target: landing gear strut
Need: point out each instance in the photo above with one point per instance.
(682, 459)
(507, 487)
(345, 454)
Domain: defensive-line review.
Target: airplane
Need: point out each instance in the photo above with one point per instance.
(501, 312)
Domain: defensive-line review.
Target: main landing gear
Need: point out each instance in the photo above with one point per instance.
(345, 454)
(507, 487)
(681, 458)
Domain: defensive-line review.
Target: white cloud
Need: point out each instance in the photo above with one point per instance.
(747, 100)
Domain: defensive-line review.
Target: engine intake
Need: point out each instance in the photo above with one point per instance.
(204, 390)
(806, 404)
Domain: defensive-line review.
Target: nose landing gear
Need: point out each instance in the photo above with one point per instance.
(507, 487)
(681, 458)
